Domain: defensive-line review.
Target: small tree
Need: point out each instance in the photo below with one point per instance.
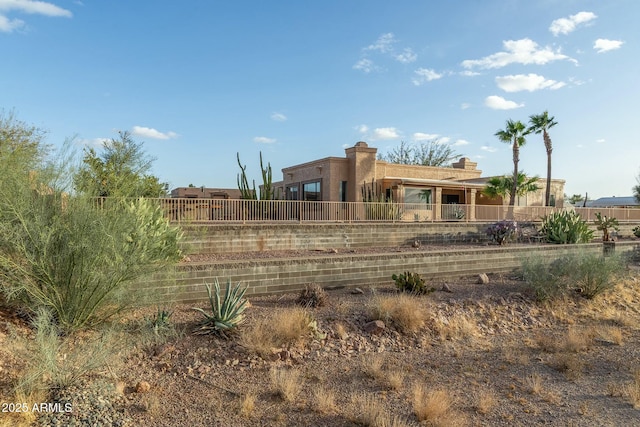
(60, 253)
(502, 186)
(636, 189)
(122, 169)
(430, 153)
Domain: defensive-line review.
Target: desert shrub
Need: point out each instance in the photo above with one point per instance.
(636, 231)
(55, 361)
(502, 231)
(587, 274)
(547, 282)
(312, 296)
(565, 227)
(79, 260)
(227, 313)
(604, 223)
(403, 311)
(284, 326)
(286, 383)
(411, 282)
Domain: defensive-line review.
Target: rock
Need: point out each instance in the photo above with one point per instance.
(143, 387)
(483, 279)
(333, 251)
(375, 327)
(357, 291)
(416, 244)
(446, 288)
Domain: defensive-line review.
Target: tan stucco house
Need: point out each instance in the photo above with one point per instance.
(341, 179)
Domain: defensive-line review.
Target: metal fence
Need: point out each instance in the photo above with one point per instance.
(243, 211)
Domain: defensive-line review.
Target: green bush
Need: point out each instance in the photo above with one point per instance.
(636, 231)
(226, 314)
(586, 274)
(412, 283)
(565, 227)
(78, 260)
(64, 251)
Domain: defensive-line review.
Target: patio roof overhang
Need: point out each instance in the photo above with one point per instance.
(444, 183)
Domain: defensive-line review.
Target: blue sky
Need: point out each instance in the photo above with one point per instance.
(198, 81)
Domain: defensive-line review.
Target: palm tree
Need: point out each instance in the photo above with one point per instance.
(503, 185)
(542, 123)
(514, 133)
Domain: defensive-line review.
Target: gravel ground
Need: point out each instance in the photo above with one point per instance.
(502, 358)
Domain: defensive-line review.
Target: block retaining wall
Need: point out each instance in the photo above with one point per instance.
(216, 239)
(274, 276)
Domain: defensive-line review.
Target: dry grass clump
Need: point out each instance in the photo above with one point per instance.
(369, 411)
(247, 405)
(569, 364)
(406, 312)
(534, 384)
(284, 327)
(485, 401)
(609, 334)
(286, 383)
(632, 390)
(436, 408)
(341, 331)
(455, 328)
(312, 296)
(324, 400)
(515, 355)
(577, 339)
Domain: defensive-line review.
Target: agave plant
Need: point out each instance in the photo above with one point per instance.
(225, 314)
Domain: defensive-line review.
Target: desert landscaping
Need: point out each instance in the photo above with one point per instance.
(473, 351)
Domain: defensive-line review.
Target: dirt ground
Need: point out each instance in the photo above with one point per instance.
(485, 355)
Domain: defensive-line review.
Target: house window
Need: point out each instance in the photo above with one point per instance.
(343, 191)
(311, 191)
(417, 195)
(552, 200)
(292, 192)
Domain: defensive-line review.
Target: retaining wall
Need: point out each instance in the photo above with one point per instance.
(215, 239)
(273, 276)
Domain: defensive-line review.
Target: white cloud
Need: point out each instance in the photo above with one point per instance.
(465, 105)
(384, 43)
(523, 51)
(425, 75)
(488, 149)
(469, 73)
(601, 141)
(567, 25)
(419, 136)
(30, 7)
(605, 45)
(384, 46)
(499, 103)
(365, 65)
(264, 140)
(385, 133)
(362, 128)
(146, 132)
(443, 140)
(8, 25)
(278, 117)
(407, 56)
(93, 142)
(34, 7)
(530, 82)
(461, 142)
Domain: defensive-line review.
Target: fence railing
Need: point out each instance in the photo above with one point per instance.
(242, 211)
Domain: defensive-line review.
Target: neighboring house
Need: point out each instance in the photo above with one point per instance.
(612, 202)
(339, 179)
(205, 193)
